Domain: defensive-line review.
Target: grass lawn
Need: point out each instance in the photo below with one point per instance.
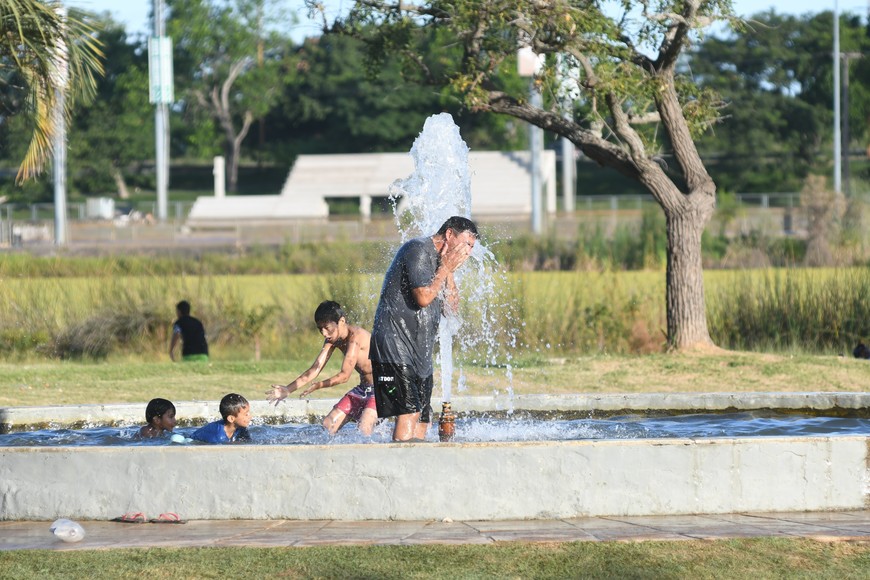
(748, 558)
(40, 383)
(113, 381)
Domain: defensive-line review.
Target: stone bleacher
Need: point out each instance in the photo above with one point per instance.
(500, 186)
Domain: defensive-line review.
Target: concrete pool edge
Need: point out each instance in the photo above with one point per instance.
(433, 481)
(310, 409)
(475, 481)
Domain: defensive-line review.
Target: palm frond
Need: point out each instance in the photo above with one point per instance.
(51, 52)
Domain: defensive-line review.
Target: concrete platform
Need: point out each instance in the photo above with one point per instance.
(823, 526)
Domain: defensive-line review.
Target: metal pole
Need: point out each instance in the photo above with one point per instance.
(536, 143)
(568, 178)
(60, 65)
(161, 131)
(59, 168)
(847, 186)
(837, 122)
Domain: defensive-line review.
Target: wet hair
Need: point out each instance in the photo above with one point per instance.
(458, 224)
(183, 308)
(157, 408)
(231, 405)
(328, 311)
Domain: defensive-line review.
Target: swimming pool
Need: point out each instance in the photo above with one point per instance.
(482, 428)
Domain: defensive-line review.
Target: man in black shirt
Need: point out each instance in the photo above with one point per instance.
(191, 333)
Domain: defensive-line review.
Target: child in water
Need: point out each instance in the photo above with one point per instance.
(236, 413)
(359, 403)
(160, 418)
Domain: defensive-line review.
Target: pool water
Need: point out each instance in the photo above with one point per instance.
(488, 429)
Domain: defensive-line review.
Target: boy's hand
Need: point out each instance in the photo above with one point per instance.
(277, 394)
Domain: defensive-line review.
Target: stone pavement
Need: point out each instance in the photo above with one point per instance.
(827, 526)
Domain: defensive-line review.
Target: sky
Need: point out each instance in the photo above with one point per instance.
(134, 13)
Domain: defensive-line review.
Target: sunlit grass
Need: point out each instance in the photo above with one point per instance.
(742, 558)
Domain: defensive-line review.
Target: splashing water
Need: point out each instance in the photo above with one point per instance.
(439, 188)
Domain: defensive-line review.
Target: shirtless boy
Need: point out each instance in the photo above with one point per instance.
(359, 403)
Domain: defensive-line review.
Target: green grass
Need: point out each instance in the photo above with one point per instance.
(544, 314)
(120, 380)
(745, 558)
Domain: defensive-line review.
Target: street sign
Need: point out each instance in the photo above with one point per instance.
(160, 70)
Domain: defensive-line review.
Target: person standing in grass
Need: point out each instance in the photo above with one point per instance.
(191, 333)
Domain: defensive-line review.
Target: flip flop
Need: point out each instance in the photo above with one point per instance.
(131, 518)
(168, 518)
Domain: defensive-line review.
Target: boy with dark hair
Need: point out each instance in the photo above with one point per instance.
(359, 403)
(191, 333)
(160, 418)
(236, 413)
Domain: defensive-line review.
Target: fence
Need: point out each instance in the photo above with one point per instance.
(32, 224)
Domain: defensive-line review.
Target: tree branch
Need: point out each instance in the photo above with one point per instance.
(589, 142)
(676, 35)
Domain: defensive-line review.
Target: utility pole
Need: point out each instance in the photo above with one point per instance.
(847, 180)
(837, 121)
(161, 94)
(529, 65)
(60, 65)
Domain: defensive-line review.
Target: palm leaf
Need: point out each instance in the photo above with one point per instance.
(38, 44)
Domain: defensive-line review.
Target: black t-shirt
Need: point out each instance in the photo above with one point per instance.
(403, 332)
(192, 335)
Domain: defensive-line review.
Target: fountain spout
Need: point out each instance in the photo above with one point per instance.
(447, 423)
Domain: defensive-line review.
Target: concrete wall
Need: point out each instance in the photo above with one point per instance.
(438, 480)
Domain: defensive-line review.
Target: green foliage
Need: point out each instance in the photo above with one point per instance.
(775, 74)
(32, 36)
(112, 135)
(793, 309)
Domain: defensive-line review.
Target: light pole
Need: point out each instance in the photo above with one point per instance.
(528, 65)
(60, 65)
(838, 188)
(161, 94)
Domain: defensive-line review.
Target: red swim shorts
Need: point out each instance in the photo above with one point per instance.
(356, 401)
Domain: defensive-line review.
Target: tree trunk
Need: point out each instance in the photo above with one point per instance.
(120, 184)
(233, 153)
(686, 305)
(257, 347)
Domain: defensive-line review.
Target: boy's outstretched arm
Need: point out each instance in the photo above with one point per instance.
(279, 392)
(348, 366)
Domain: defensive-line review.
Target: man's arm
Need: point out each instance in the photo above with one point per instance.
(451, 296)
(176, 336)
(424, 295)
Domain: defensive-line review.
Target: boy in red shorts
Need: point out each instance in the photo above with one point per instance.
(359, 403)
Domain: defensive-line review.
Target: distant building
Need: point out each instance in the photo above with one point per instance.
(500, 187)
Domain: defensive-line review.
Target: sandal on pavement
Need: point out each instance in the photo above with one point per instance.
(131, 518)
(168, 518)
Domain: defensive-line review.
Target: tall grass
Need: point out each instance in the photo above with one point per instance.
(524, 314)
(810, 310)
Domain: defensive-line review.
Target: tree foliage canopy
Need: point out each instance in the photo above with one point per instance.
(44, 52)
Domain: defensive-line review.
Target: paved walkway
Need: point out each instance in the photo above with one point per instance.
(28, 535)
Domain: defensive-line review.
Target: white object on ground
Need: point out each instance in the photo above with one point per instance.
(67, 530)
